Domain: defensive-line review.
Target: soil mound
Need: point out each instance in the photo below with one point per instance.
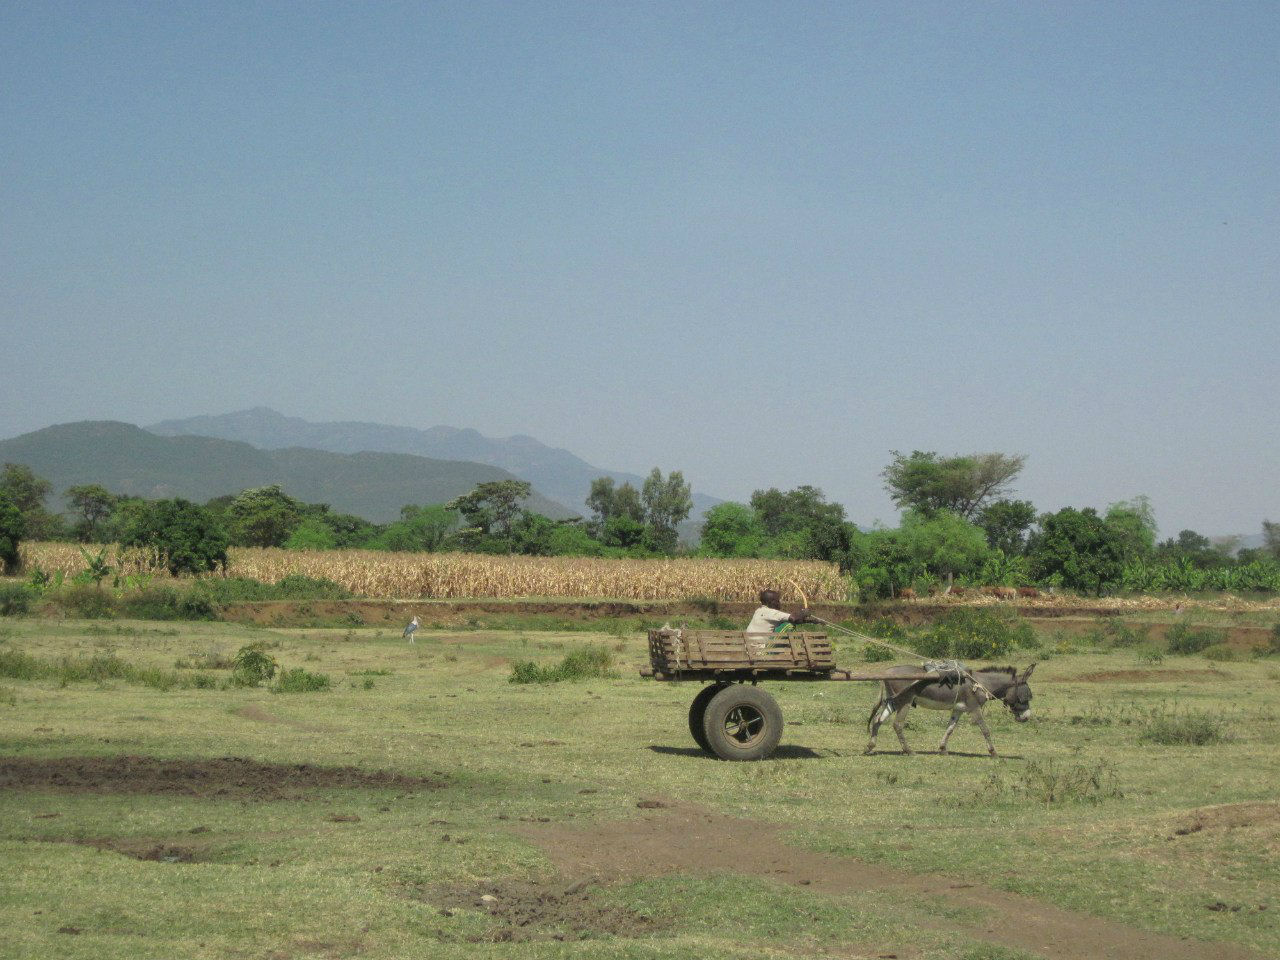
(524, 912)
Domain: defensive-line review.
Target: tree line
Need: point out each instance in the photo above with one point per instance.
(490, 518)
(959, 527)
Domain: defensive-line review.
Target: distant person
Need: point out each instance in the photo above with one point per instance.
(768, 618)
(409, 630)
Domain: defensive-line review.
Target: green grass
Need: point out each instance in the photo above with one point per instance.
(1083, 812)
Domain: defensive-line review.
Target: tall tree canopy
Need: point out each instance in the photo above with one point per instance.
(491, 508)
(963, 484)
(667, 502)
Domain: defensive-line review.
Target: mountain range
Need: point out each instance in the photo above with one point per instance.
(129, 460)
(555, 473)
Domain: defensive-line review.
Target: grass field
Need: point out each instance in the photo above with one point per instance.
(425, 807)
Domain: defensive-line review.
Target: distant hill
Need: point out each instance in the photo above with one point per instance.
(129, 460)
(557, 473)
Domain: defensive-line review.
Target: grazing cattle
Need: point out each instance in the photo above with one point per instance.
(897, 697)
(906, 593)
(1004, 593)
(1028, 592)
(955, 590)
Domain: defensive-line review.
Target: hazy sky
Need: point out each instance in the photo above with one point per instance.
(764, 243)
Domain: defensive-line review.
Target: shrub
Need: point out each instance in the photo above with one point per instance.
(252, 665)
(1184, 638)
(584, 663)
(1191, 728)
(19, 666)
(15, 599)
(151, 603)
(299, 587)
(299, 680)
(1052, 782)
(1219, 652)
(884, 629)
(973, 633)
(86, 600)
(1114, 632)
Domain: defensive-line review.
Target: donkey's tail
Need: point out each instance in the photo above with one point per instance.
(876, 709)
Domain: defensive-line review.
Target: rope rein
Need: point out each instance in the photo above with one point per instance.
(953, 667)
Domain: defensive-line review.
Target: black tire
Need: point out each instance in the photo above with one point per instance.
(742, 723)
(698, 711)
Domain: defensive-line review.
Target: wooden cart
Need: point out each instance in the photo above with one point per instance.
(731, 717)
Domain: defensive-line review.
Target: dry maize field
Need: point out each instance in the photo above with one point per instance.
(448, 576)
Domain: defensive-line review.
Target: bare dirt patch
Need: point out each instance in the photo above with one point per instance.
(524, 912)
(258, 715)
(683, 839)
(149, 849)
(235, 778)
(1229, 816)
(1150, 676)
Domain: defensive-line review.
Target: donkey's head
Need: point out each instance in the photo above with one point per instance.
(1018, 696)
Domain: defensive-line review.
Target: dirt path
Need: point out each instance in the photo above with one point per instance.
(681, 839)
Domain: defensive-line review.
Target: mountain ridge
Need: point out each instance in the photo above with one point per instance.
(127, 459)
(555, 472)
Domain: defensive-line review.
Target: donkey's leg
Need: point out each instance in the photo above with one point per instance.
(897, 725)
(976, 716)
(879, 713)
(955, 717)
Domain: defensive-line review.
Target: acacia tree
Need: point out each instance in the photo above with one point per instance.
(491, 508)
(928, 483)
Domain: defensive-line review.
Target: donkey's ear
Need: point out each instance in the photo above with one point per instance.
(1026, 673)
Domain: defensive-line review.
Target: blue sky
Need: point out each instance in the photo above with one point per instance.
(764, 243)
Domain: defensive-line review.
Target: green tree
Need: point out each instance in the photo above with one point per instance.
(11, 528)
(311, 534)
(423, 529)
(491, 508)
(667, 503)
(1006, 524)
(21, 487)
(801, 523)
(188, 536)
(1078, 549)
(943, 543)
(1135, 525)
(963, 484)
(1271, 538)
(623, 532)
(94, 504)
(606, 501)
(732, 530)
(263, 516)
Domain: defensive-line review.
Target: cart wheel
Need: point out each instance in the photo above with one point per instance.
(698, 712)
(742, 723)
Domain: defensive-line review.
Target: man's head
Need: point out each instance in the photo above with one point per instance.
(770, 598)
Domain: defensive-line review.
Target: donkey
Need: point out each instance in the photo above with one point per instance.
(897, 697)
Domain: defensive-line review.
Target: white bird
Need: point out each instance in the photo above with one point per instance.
(408, 631)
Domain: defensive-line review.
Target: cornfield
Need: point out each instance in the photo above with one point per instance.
(450, 576)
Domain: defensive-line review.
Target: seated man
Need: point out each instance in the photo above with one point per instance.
(769, 619)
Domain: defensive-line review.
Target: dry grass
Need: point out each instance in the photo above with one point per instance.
(448, 576)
